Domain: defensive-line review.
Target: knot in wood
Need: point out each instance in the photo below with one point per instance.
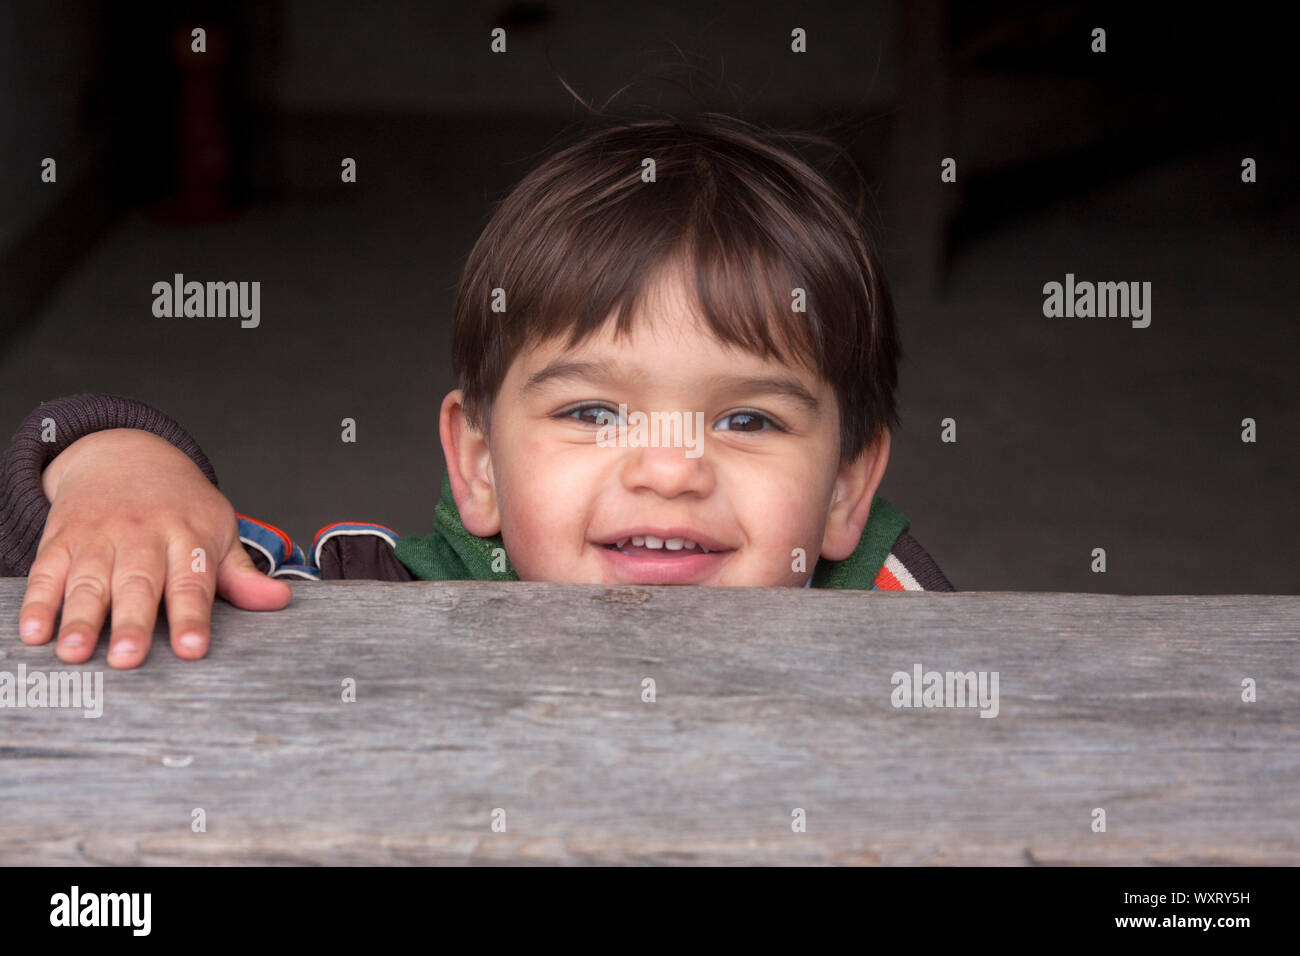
(623, 595)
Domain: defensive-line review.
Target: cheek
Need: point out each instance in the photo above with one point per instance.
(544, 502)
(778, 509)
(785, 510)
(780, 506)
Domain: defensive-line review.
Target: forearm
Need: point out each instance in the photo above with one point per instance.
(130, 447)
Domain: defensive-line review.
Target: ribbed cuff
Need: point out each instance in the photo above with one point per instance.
(23, 506)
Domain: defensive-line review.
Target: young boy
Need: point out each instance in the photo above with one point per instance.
(693, 275)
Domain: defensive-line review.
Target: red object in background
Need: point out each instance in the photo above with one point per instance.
(202, 172)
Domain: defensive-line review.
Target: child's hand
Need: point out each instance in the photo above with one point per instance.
(127, 510)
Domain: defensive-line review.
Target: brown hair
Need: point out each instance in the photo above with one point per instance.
(575, 242)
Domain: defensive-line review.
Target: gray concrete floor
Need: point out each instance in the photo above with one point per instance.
(1072, 434)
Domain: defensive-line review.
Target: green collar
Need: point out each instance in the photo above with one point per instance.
(451, 553)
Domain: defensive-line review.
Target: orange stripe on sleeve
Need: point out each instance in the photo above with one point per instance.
(288, 544)
(886, 581)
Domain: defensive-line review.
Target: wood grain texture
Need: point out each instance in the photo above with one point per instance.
(527, 697)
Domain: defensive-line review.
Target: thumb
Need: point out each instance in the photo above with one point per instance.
(240, 583)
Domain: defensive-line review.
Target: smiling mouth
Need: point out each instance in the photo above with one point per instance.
(648, 546)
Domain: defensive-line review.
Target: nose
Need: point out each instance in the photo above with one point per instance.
(667, 471)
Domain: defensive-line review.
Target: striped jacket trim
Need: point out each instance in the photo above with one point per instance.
(909, 567)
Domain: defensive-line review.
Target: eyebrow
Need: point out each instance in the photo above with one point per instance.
(561, 370)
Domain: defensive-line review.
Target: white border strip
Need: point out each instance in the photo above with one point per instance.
(294, 573)
(267, 554)
(904, 576)
(350, 531)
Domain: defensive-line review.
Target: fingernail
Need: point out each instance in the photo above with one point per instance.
(191, 641)
(123, 649)
(72, 640)
(29, 627)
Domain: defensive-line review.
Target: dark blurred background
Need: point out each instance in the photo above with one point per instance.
(1072, 433)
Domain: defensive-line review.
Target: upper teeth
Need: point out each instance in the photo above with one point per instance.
(672, 544)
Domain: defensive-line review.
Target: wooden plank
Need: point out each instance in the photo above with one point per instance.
(528, 697)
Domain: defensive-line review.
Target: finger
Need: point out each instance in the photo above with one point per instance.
(85, 601)
(189, 592)
(139, 566)
(240, 583)
(44, 594)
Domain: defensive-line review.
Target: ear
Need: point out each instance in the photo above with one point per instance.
(469, 468)
(855, 489)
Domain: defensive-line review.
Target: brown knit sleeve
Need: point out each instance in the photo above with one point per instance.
(920, 565)
(48, 430)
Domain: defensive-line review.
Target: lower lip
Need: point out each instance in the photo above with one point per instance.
(687, 569)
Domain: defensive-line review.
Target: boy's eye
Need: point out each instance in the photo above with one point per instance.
(748, 421)
(598, 415)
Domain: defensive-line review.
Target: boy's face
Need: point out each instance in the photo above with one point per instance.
(761, 481)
